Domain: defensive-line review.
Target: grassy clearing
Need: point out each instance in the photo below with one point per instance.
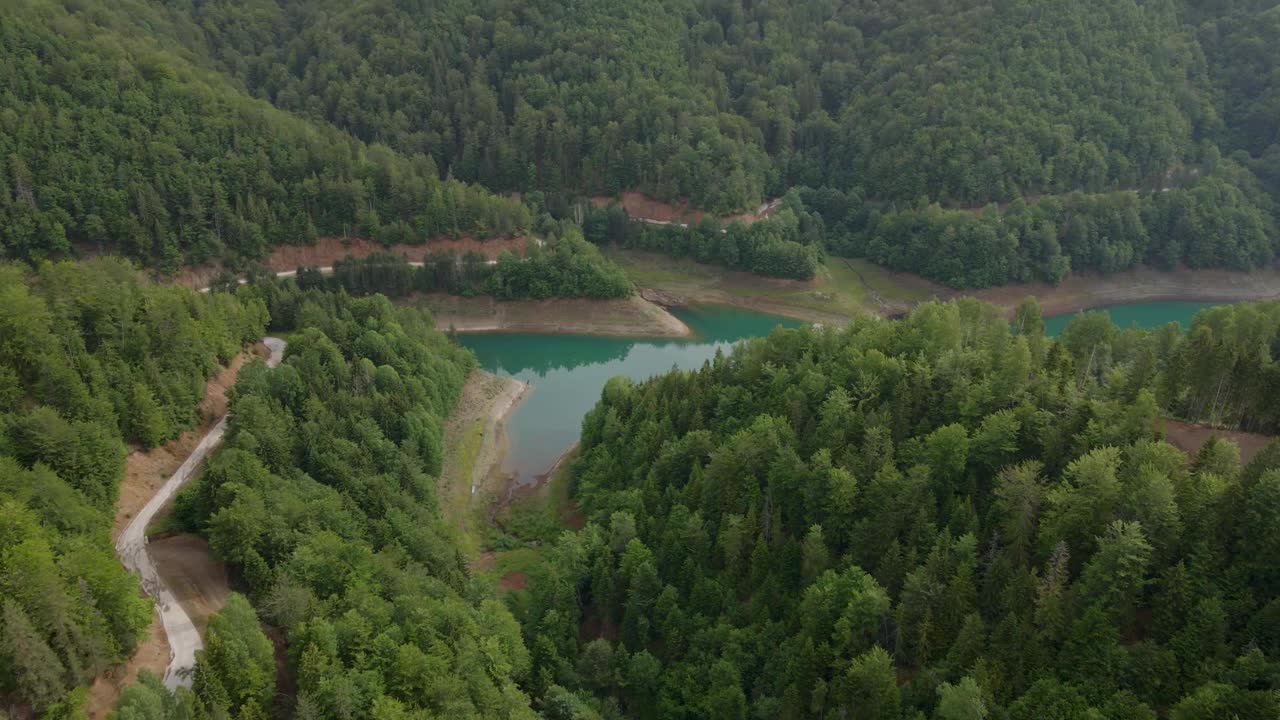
(460, 459)
(842, 289)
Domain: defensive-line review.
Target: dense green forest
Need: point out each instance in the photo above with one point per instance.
(1123, 133)
(113, 139)
(788, 245)
(323, 497)
(562, 267)
(92, 361)
(947, 516)
(899, 105)
(726, 102)
(1212, 224)
(942, 517)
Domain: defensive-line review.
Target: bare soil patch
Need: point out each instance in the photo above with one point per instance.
(152, 654)
(628, 317)
(596, 625)
(641, 206)
(515, 580)
(286, 683)
(326, 250)
(483, 562)
(572, 517)
(1190, 437)
(1087, 291)
(188, 567)
(145, 471)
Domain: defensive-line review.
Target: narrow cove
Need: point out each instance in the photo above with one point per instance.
(567, 372)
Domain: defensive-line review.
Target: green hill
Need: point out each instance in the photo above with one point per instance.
(115, 138)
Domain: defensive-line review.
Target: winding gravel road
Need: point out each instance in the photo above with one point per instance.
(184, 639)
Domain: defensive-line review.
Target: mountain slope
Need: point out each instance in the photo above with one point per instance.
(117, 142)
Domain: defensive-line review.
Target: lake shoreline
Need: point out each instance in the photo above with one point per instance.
(632, 317)
(1079, 293)
(475, 445)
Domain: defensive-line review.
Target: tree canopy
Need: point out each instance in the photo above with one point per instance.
(940, 516)
(93, 361)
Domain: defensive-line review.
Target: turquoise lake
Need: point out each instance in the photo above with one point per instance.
(1144, 315)
(567, 372)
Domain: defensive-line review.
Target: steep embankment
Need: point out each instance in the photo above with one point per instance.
(627, 317)
(1089, 290)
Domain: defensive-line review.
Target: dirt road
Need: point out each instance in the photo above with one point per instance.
(184, 638)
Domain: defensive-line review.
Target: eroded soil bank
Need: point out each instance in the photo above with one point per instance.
(1086, 291)
(629, 317)
(326, 250)
(1190, 437)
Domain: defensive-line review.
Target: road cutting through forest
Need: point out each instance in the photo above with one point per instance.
(183, 637)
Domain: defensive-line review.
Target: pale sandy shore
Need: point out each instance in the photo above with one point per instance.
(1087, 291)
(628, 317)
(475, 445)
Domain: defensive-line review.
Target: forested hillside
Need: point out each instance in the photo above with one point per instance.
(936, 517)
(92, 361)
(323, 497)
(1136, 133)
(726, 102)
(893, 106)
(115, 138)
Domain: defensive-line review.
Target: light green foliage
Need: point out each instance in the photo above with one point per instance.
(91, 358)
(323, 496)
(147, 699)
(962, 701)
(236, 670)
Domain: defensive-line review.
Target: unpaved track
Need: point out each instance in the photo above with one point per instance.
(184, 639)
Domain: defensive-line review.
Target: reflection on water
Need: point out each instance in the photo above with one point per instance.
(567, 373)
(1144, 315)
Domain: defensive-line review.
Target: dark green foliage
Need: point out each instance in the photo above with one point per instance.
(94, 358)
(782, 246)
(323, 497)
(941, 516)
(726, 103)
(976, 143)
(567, 267)
(1148, 128)
(113, 136)
(1223, 220)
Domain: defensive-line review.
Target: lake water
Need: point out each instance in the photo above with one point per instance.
(567, 373)
(1144, 315)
